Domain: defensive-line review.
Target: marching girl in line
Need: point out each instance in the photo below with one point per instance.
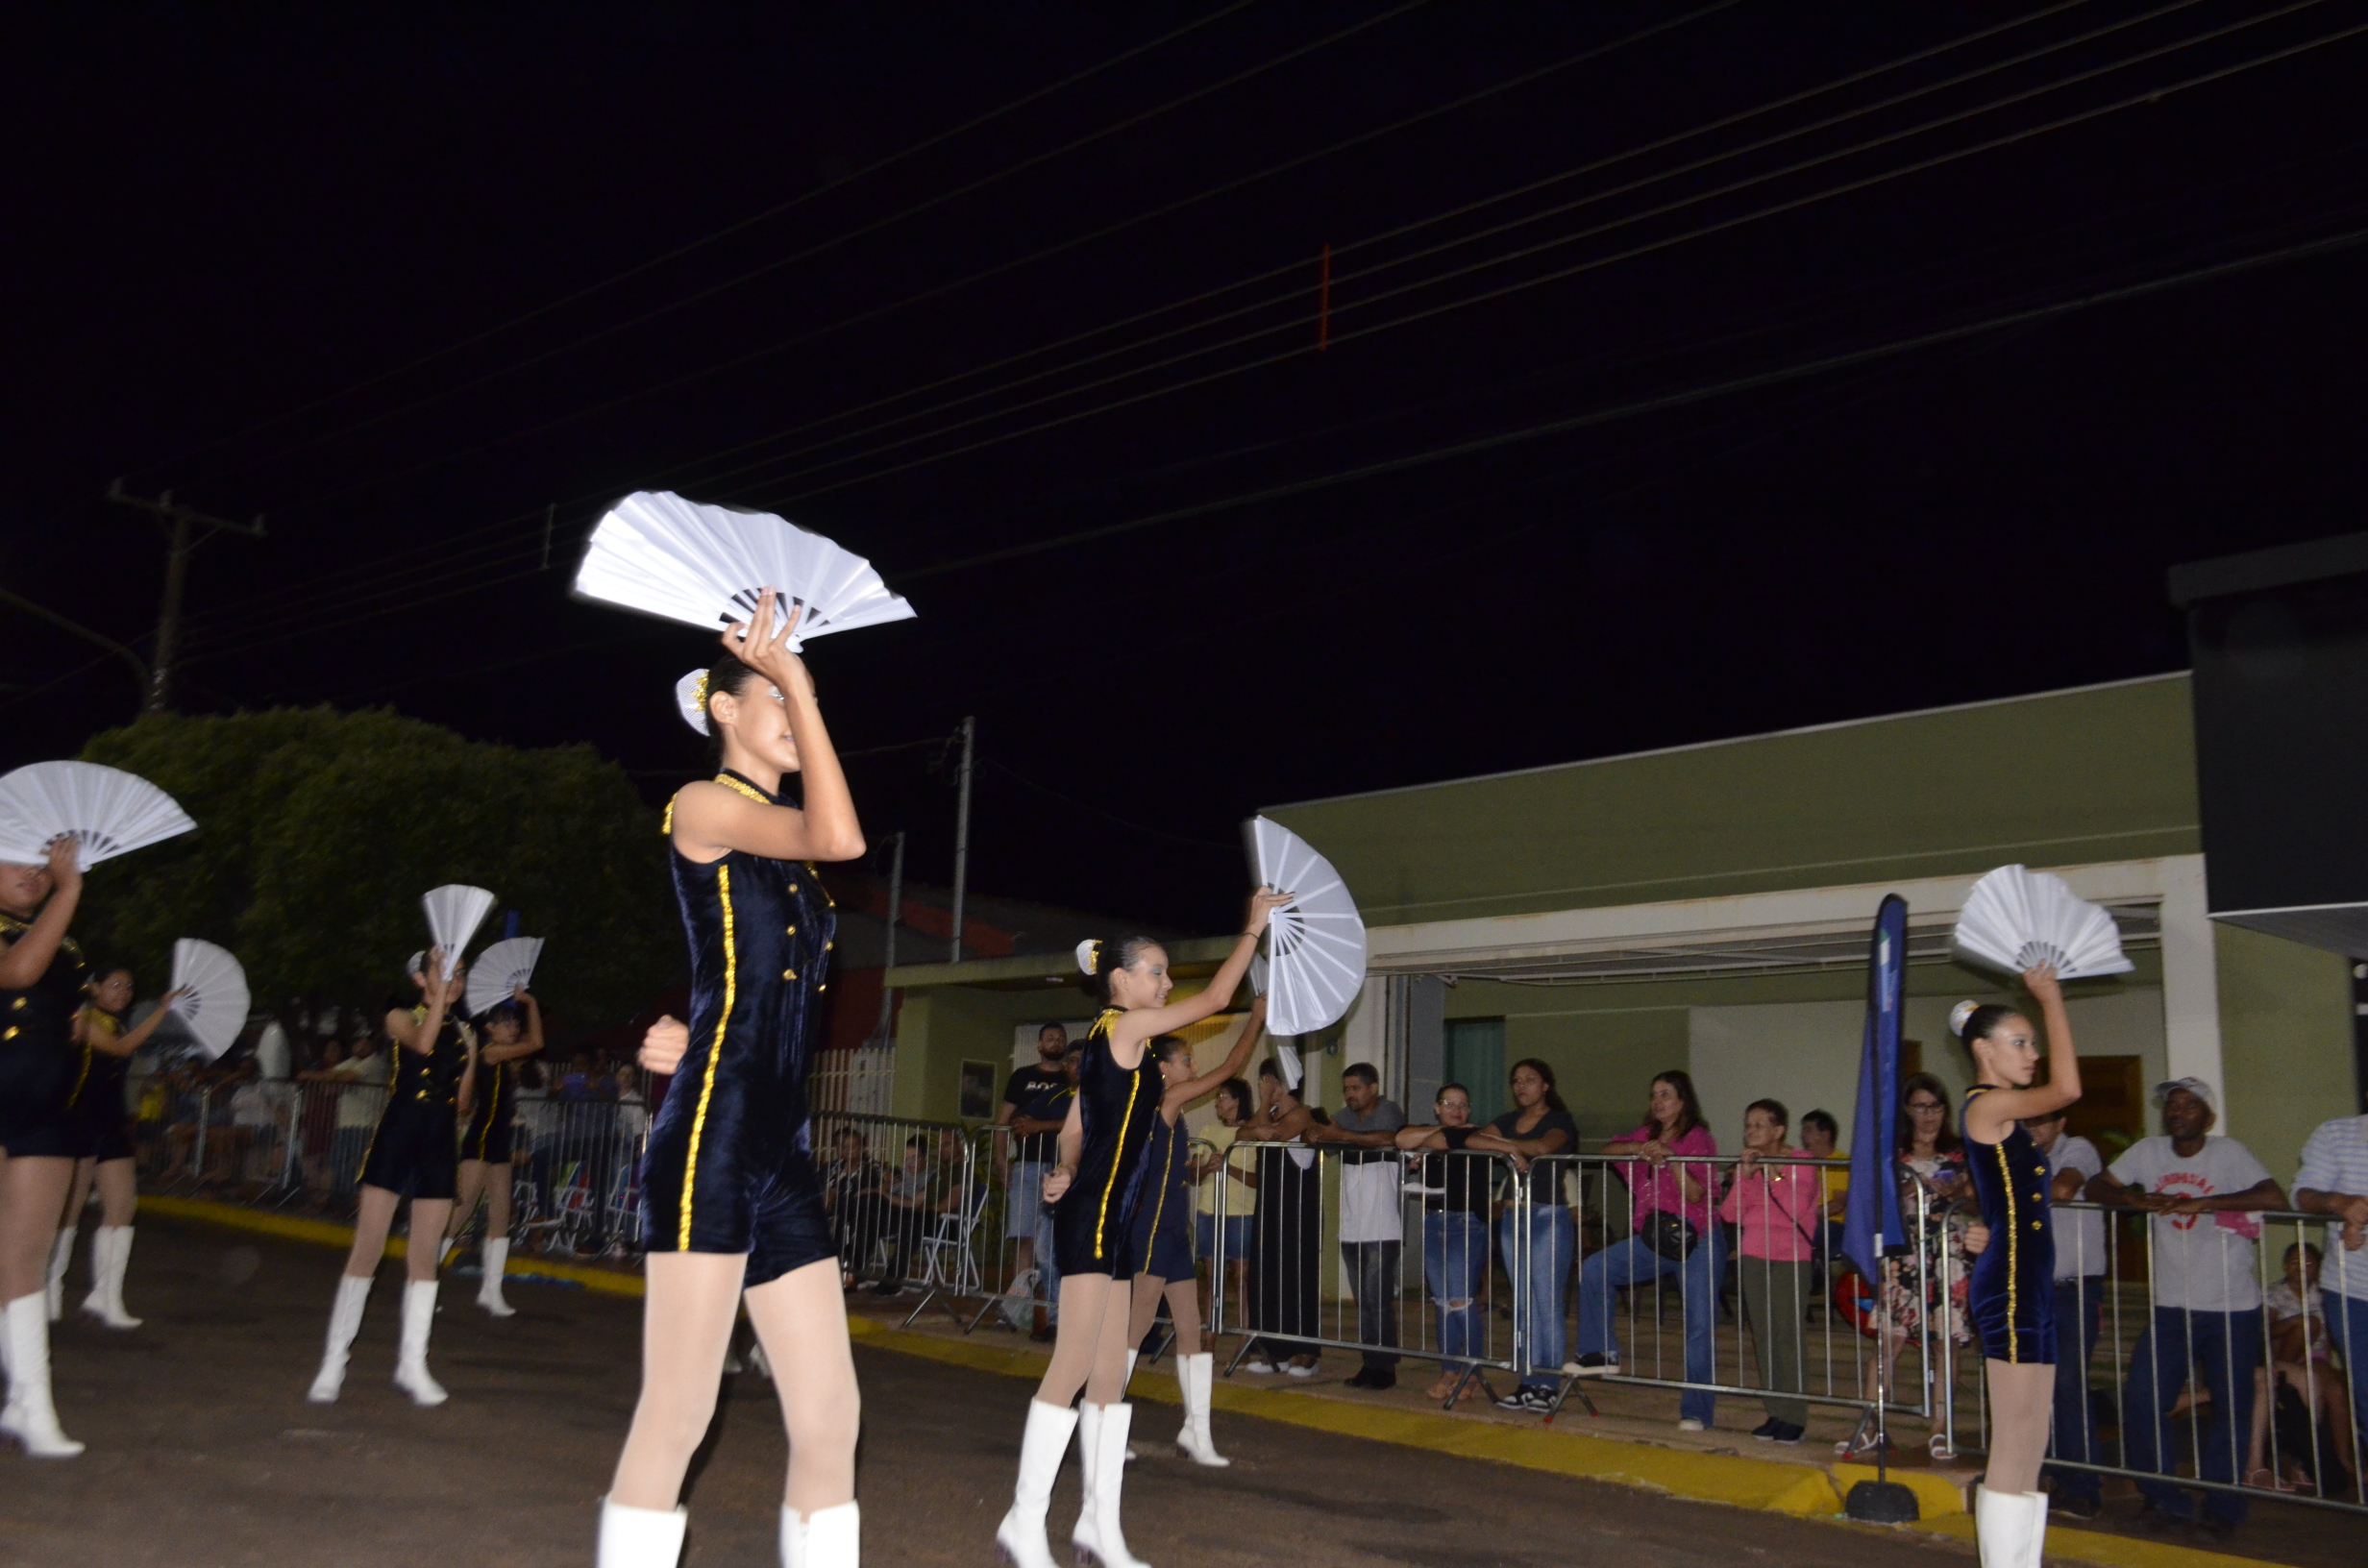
(1102, 1162)
(513, 1031)
(105, 1154)
(1164, 1231)
(2011, 1296)
(733, 1199)
(414, 1150)
(40, 994)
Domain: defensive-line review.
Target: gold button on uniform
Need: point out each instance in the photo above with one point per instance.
(789, 974)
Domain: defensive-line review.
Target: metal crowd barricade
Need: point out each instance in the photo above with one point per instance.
(906, 1199)
(2162, 1365)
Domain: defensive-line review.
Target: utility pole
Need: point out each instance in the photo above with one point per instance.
(187, 529)
(962, 838)
(888, 960)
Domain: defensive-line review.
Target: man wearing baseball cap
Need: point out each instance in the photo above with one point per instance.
(2202, 1192)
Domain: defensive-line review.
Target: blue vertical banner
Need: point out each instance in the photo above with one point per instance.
(1872, 1224)
(509, 925)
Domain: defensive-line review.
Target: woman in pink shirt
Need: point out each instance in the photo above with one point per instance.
(1671, 1196)
(1774, 1210)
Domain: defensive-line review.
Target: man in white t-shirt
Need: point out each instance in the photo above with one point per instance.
(1372, 1218)
(2334, 1182)
(2202, 1192)
(2072, 1162)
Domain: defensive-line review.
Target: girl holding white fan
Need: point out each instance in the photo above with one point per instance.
(40, 994)
(734, 1200)
(513, 1031)
(1102, 1161)
(414, 1150)
(105, 1154)
(2010, 1295)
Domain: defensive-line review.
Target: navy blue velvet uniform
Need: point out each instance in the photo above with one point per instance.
(98, 1104)
(40, 1067)
(729, 1165)
(2011, 1294)
(1163, 1215)
(414, 1151)
(487, 1133)
(1094, 1224)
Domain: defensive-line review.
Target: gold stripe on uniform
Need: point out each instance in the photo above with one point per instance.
(1118, 1155)
(715, 1054)
(2014, 1297)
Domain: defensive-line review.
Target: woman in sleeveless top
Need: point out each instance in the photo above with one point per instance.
(105, 1153)
(733, 1201)
(1164, 1231)
(40, 994)
(414, 1152)
(1095, 1188)
(513, 1031)
(2011, 1296)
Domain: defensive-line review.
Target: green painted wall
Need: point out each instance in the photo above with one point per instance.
(2101, 774)
(2285, 1043)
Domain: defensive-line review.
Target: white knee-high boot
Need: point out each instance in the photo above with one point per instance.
(1102, 1431)
(60, 1256)
(344, 1322)
(110, 1254)
(827, 1538)
(2007, 1526)
(411, 1367)
(2034, 1542)
(1197, 1375)
(640, 1537)
(490, 1293)
(30, 1417)
(1020, 1539)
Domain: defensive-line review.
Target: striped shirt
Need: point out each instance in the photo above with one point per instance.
(2335, 1159)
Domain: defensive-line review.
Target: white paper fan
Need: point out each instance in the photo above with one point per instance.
(501, 970)
(107, 810)
(691, 699)
(1315, 943)
(215, 1007)
(2016, 920)
(704, 566)
(1258, 973)
(454, 911)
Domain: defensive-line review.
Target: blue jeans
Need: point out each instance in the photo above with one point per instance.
(2347, 1323)
(2078, 1316)
(1237, 1241)
(1633, 1262)
(1537, 1297)
(1455, 1261)
(2229, 1345)
(1047, 1264)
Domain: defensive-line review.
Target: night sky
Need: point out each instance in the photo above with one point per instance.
(1022, 302)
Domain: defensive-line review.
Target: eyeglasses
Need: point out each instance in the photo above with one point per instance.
(1925, 1105)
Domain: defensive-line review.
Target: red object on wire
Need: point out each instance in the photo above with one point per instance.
(1324, 302)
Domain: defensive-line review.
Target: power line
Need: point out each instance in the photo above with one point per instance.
(845, 236)
(716, 235)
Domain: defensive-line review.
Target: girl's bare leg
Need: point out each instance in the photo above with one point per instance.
(498, 1199)
(372, 1217)
(32, 1196)
(2021, 1397)
(425, 1248)
(1106, 1384)
(800, 1319)
(686, 1321)
(472, 1184)
(79, 1194)
(1184, 1307)
(1085, 1300)
(118, 1192)
(1143, 1306)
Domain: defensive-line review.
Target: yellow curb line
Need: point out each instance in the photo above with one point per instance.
(328, 1232)
(1802, 1490)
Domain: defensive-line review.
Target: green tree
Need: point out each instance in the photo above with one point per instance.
(318, 830)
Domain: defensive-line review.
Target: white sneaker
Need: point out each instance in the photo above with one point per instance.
(1299, 1369)
(1690, 1423)
(1259, 1365)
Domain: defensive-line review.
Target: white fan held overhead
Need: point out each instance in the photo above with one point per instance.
(2015, 919)
(705, 566)
(455, 911)
(212, 1004)
(105, 810)
(1316, 942)
(499, 970)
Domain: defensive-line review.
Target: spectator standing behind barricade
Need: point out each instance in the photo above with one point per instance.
(1213, 1168)
(2202, 1192)
(1775, 1213)
(854, 1190)
(1457, 1185)
(1035, 1103)
(360, 1085)
(1373, 1219)
(2333, 1181)
(2072, 1162)
(1290, 1227)
(1820, 1136)
(1929, 1162)
(1670, 1217)
(1537, 1261)
(912, 1200)
(317, 1121)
